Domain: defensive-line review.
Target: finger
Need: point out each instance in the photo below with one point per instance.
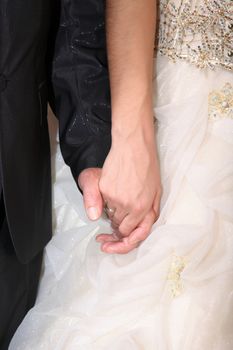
(115, 236)
(144, 229)
(114, 226)
(106, 237)
(121, 247)
(118, 217)
(130, 223)
(89, 183)
(136, 237)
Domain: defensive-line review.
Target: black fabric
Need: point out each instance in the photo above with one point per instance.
(79, 93)
(24, 140)
(18, 285)
(80, 97)
(80, 83)
(2, 210)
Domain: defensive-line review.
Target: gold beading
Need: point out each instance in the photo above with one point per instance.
(174, 276)
(197, 31)
(221, 103)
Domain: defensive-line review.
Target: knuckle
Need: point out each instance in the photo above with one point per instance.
(139, 207)
(123, 203)
(127, 203)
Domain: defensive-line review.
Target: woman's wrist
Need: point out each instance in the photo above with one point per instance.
(128, 125)
(136, 138)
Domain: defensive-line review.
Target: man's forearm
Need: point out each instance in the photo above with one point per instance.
(130, 39)
(81, 85)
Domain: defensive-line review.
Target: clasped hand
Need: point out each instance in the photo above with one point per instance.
(129, 186)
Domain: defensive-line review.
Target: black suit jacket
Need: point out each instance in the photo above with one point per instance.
(80, 94)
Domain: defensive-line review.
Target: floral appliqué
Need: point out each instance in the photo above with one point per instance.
(221, 103)
(174, 276)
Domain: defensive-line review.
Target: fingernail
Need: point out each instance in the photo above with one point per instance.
(92, 213)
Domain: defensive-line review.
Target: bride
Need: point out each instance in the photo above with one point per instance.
(175, 290)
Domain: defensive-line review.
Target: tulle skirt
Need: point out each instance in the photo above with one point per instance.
(175, 292)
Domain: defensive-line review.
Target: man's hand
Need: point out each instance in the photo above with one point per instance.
(88, 182)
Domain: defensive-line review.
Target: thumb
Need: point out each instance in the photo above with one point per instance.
(89, 183)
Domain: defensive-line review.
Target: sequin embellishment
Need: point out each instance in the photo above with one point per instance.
(221, 103)
(197, 31)
(174, 276)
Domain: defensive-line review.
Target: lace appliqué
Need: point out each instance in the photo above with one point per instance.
(197, 31)
(174, 276)
(221, 103)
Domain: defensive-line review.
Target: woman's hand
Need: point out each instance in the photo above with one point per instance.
(130, 183)
(116, 244)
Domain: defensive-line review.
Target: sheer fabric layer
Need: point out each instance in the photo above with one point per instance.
(176, 291)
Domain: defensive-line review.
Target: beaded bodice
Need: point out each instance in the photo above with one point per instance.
(198, 31)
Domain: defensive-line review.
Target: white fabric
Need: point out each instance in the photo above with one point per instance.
(92, 301)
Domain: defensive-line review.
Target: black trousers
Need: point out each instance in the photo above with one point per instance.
(18, 284)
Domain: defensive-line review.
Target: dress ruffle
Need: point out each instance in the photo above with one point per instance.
(175, 292)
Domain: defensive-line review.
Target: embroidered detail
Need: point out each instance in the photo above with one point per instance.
(174, 276)
(197, 31)
(221, 103)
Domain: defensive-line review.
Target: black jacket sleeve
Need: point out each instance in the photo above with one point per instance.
(80, 84)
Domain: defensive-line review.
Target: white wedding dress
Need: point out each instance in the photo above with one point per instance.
(175, 292)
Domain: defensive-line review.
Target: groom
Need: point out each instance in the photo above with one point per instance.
(80, 98)
(81, 101)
